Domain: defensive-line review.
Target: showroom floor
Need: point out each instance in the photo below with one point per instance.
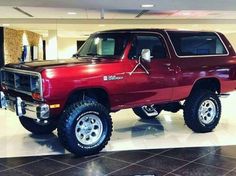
(130, 133)
(201, 161)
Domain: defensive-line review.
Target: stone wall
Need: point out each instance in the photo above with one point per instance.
(13, 42)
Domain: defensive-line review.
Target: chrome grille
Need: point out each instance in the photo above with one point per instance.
(21, 81)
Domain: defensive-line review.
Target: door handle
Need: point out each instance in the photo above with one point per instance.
(167, 64)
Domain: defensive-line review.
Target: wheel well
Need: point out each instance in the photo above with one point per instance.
(212, 84)
(98, 94)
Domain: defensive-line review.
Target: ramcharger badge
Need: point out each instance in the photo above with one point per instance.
(112, 78)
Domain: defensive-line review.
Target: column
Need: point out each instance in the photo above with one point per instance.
(52, 45)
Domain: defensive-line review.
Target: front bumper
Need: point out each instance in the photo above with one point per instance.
(24, 108)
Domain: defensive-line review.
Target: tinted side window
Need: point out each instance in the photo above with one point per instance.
(154, 43)
(197, 43)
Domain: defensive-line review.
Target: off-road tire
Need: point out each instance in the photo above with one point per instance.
(69, 119)
(139, 112)
(38, 127)
(191, 108)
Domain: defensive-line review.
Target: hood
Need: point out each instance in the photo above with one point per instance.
(41, 65)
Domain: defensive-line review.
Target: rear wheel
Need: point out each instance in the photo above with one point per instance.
(85, 128)
(38, 126)
(202, 111)
(147, 112)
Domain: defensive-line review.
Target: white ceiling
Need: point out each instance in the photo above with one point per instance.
(127, 4)
(52, 15)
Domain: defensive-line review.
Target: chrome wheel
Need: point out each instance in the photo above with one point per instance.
(207, 112)
(89, 129)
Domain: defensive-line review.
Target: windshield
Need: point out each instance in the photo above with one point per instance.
(104, 45)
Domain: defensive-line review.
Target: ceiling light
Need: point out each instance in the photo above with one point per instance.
(186, 13)
(101, 25)
(147, 5)
(71, 13)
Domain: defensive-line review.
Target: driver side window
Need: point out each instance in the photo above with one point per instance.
(152, 42)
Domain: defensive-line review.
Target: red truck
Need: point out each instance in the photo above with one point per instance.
(149, 70)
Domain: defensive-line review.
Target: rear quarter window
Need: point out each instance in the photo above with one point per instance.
(197, 43)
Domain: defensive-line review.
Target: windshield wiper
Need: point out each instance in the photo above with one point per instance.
(76, 55)
(93, 54)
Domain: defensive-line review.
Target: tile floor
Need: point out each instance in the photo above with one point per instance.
(199, 161)
(163, 146)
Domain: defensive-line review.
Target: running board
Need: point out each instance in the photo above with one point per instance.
(223, 95)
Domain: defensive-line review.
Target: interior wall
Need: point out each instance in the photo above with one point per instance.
(14, 40)
(66, 47)
(232, 39)
(52, 45)
(1, 46)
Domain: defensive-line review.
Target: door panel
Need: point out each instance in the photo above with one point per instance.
(156, 86)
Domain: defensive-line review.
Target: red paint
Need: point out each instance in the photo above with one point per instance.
(170, 79)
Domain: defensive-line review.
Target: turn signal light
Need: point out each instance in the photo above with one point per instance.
(36, 96)
(55, 106)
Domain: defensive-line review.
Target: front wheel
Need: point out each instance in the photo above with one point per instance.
(202, 111)
(38, 126)
(85, 128)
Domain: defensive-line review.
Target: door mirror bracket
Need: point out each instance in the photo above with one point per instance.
(146, 56)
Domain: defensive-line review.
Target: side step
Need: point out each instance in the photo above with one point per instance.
(223, 95)
(150, 110)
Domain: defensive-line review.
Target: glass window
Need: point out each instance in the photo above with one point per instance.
(197, 43)
(104, 44)
(152, 42)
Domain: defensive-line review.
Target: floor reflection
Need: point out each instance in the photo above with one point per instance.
(143, 128)
(48, 141)
(129, 133)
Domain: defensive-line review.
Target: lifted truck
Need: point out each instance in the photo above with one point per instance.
(149, 70)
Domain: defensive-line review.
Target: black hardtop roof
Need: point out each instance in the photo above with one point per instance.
(132, 30)
(147, 30)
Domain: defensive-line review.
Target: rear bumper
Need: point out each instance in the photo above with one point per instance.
(24, 108)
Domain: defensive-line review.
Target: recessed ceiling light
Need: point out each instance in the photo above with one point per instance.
(71, 13)
(101, 25)
(147, 5)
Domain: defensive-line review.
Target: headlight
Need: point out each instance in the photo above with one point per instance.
(35, 88)
(35, 84)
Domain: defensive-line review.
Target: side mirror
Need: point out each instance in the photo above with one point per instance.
(146, 55)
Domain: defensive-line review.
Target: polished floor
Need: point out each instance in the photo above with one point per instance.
(201, 161)
(130, 133)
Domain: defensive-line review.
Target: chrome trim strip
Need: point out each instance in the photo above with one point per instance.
(27, 73)
(21, 91)
(166, 31)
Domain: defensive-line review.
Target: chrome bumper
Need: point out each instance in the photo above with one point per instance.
(24, 108)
